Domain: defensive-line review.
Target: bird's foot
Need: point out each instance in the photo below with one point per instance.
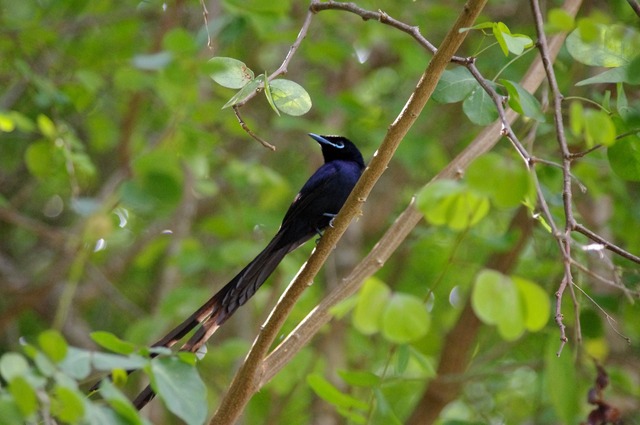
(333, 217)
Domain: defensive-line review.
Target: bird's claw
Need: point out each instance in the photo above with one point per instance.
(333, 217)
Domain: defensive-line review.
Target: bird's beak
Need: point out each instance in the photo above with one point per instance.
(325, 141)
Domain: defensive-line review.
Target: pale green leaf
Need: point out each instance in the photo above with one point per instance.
(522, 101)
(405, 319)
(454, 85)
(328, 392)
(112, 343)
(53, 345)
(67, 404)
(13, 365)
(180, 388)
(599, 128)
(559, 20)
(479, 107)
(230, 72)
(603, 45)
(290, 97)
(496, 301)
(535, 302)
(624, 157)
(372, 298)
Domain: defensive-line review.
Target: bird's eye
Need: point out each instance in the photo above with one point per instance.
(338, 145)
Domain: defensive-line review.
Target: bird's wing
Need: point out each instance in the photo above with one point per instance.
(316, 187)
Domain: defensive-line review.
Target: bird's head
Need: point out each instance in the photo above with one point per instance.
(338, 148)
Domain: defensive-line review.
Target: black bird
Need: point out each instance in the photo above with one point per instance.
(312, 210)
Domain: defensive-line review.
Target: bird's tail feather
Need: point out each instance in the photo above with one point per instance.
(213, 313)
(227, 300)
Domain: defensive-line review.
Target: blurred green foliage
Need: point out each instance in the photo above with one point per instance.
(128, 195)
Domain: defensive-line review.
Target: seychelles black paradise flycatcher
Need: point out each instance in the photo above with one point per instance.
(312, 210)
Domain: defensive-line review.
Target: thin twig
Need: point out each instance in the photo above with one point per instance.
(567, 195)
(246, 128)
(205, 17)
(610, 246)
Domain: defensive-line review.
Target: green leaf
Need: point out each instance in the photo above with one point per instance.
(67, 404)
(431, 200)
(405, 319)
(119, 402)
(53, 345)
(560, 379)
(448, 202)
(325, 390)
(13, 365)
(6, 123)
(77, 363)
(506, 182)
(40, 158)
(179, 40)
(46, 126)
(251, 87)
(290, 97)
(180, 388)
(112, 343)
(622, 103)
(480, 26)
(24, 395)
(231, 73)
(44, 365)
(479, 107)
(9, 411)
(372, 298)
(269, 96)
(108, 362)
(522, 101)
(624, 157)
(603, 45)
(535, 302)
(454, 85)
(499, 29)
(576, 118)
(360, 378)
(614, 75)
(560, 20)
(466, 209)
(516, 43)
(599, 128)
(633, 71)
(496, 301)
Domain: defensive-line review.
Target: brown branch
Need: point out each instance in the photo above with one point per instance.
(635, 6)
(246, 128)
(246, 381)
(564, 239)
(608, 245)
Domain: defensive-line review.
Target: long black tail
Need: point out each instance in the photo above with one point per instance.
(223, 304)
